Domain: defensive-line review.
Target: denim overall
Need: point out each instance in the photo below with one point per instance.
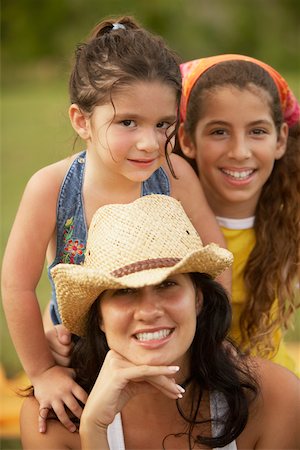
(71, 224)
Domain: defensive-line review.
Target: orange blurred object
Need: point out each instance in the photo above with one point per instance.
(10, 403)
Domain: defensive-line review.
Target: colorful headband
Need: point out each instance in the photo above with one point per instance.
(192, 70)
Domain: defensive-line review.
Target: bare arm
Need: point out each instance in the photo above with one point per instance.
(22, 266)
(188, 190)
(47, 318)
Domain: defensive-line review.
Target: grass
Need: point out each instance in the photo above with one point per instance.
(36, 132)
(10, 444)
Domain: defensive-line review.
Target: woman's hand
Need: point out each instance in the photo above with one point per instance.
(119, 380)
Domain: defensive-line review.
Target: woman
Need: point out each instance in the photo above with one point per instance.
(153, 320)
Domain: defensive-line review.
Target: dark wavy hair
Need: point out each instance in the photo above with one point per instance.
(272, 269)
(212, 364)
(112, 59)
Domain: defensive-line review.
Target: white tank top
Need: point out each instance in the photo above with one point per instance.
(217, 409)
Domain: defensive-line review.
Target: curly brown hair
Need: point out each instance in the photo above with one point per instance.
(272, 270)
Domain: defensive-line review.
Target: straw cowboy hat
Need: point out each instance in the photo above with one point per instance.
(133, 245)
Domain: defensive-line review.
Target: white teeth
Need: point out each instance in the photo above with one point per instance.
(238, 175)
(153, 336)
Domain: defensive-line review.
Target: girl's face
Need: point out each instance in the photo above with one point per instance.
(127, 138)
(154, 325)
(235, 146)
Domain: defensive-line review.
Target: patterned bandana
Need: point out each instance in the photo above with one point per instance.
(192, 70)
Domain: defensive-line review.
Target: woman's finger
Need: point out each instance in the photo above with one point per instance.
(167, 386)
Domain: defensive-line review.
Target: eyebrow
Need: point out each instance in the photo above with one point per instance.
(223, 122)
(134, 116)
(217, 122)
(261, 121)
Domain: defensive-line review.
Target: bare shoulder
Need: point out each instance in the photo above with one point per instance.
(279, 387)
(36, 212)
(272, 375)
(186, 182)
(181, 167)
(42, 189)
(49, 178)
(56, 436)
(274, 416)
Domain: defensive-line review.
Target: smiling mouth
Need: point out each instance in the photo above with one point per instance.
(238, 174)
(154, 336)
(142, 161)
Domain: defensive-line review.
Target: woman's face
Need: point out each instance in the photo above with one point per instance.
(154, 325)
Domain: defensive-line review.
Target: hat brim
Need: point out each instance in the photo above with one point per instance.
(77, 287)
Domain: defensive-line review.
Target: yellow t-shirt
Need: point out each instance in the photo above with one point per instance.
(240, 238)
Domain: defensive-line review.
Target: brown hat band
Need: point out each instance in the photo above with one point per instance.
(147, 264)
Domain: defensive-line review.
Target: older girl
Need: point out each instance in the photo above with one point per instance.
(240, 129)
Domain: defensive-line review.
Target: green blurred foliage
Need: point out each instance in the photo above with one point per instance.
(47, 30)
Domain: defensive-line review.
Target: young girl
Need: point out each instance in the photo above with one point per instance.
(154, 324)
(241, 130)
(125, 89)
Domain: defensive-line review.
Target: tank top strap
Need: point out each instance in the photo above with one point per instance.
(158, 183)
(71, 228)
(115, 434)
(71, 223)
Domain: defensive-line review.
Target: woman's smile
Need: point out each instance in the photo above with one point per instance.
(153, 338)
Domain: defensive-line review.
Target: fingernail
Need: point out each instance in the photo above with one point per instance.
(73, 429)
(180, 388)
(173, 368)
(179, 396)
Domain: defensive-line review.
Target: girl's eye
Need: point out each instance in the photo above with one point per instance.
(258, 131)
(218, 132)
(163, 125)
(128, 123)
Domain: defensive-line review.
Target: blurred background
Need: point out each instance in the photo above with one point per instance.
(38, 38)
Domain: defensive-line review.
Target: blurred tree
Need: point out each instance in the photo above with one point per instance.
(35, 30)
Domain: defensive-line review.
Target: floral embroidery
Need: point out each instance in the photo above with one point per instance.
(72, 248)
